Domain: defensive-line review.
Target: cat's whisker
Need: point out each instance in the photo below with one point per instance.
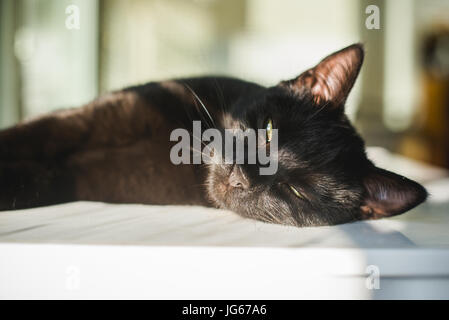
(216, 159)
(199, 151)
(189, 117)
(274, 217)
(201, 103)
(195, 137)
(198, 139)
(220, 96)
(211, 159)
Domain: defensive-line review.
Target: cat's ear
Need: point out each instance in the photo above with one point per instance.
(331, 80)
(389, 194)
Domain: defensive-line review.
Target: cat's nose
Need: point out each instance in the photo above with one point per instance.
(237, 178)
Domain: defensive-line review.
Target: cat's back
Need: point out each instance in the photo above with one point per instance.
(133, 126)
(216, 91)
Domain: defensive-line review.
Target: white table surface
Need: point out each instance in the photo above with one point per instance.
(98, 250)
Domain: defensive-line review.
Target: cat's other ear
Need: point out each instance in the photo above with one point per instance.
(331, 80)
(388, 194)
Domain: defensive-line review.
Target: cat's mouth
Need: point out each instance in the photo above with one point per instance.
(227, 189)
(227, 186)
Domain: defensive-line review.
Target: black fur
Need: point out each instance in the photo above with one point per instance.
(116, 149)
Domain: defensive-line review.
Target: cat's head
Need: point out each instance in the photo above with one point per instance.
(323, 176)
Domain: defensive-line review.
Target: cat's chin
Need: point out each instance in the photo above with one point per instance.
(222, 197)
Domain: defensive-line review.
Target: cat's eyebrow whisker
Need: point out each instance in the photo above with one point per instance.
(220, 96)
(201, 103)
(189, 116)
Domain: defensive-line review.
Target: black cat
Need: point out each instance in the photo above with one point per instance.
(116, 149)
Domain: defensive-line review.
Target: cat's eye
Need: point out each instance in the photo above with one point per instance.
(296, 192)
(269, 129)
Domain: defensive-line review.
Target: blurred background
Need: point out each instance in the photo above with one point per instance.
(400, 102)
